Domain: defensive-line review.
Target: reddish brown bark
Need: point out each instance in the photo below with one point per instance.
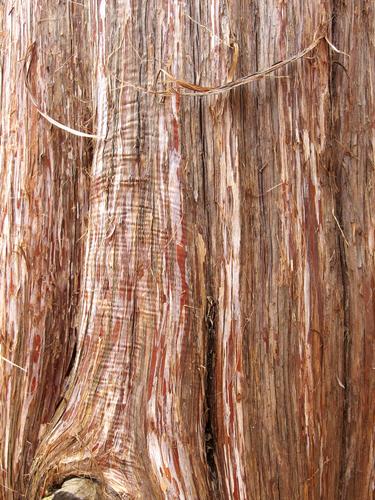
(219, 248)
(43, 200)
(353, 134)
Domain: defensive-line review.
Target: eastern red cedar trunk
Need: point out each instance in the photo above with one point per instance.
(187, 301)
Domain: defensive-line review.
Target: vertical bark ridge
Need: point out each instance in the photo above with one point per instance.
(43, 200)
(353, 136)
(290, 279)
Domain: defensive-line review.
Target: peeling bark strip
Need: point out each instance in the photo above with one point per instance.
(221, 250)
(26, 70)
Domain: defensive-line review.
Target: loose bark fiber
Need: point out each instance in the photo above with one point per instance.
(187, 302)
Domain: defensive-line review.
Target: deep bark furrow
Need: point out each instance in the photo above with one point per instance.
(210, 438)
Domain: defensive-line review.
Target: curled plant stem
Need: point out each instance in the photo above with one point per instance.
(191, 89)
(26, 69)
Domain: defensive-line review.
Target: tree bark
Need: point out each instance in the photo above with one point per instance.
(43, 203)
(187, 299)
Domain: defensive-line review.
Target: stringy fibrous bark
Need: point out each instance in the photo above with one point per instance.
(187, 301)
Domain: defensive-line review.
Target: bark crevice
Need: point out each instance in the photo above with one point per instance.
(210, 442)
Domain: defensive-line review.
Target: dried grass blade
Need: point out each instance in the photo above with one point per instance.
(6, 360)
(26, 69)
(185, 84)
(335, 49)
(254, 76)
(232, 70)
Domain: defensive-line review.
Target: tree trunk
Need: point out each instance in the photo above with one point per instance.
(187, 296)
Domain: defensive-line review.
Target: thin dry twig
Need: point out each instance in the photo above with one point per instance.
(227, 87)
(198, 89)
(340, 228)
(233, 67)
(212, 34)
(335, 49)
(12, 364)
(63, 64)
(191, 88)
(270, 189)
(340, 383)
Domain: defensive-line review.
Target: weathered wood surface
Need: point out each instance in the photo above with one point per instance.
(221, 250)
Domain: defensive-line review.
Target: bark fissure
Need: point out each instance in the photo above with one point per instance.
(345, 377)
(210, 440)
